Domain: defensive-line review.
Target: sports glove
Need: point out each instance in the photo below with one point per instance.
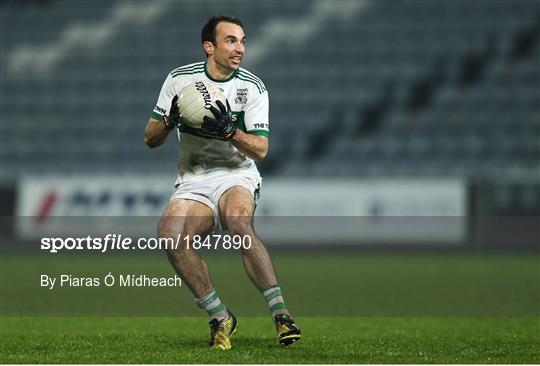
(173, 120)
(222, 126)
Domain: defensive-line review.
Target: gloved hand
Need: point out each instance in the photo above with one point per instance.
(173, 120)
(222, 126)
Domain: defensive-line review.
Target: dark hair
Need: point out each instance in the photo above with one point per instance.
(208, 32)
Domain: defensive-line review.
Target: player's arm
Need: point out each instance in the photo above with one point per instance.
(253, 140)
(254, 146)
(224, 128)
(155, 133)
(165, 116)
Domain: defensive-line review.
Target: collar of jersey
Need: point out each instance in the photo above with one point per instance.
(219, 81)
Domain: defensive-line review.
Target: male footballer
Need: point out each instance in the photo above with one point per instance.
(218, 181)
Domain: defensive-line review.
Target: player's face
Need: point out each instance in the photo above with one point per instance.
(230, 46)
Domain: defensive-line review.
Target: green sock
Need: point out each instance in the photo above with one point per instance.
(213, 306)
(274, 299)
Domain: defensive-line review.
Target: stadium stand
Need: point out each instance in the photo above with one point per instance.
(398, 88)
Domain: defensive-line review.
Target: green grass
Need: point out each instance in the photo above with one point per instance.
(327, 340)
(314, 284)
(353, 307)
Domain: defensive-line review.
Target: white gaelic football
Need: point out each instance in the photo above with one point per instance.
(195, 99)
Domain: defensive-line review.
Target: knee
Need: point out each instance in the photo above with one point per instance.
(239, 221)
(240, 225)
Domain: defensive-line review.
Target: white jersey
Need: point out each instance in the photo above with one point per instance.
(200, 156)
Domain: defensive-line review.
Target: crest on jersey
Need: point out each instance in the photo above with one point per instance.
(241, 96)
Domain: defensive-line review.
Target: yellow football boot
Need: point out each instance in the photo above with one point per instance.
(221, 332)
(287, 331)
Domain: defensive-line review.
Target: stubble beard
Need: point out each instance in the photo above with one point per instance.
(226, 66)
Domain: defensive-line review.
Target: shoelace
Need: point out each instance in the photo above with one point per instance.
(214, 326)
(286, 320)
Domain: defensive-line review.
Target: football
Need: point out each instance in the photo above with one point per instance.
(195, 99)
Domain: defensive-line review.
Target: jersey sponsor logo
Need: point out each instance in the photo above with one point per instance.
(159, 110)
(241, 96)
(263, 126)
(199, 85)
(238, 119)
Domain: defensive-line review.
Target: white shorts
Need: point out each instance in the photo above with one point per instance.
(209, 191)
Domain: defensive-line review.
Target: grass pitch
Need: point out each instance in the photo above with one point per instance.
(327, 340)
(352, 307)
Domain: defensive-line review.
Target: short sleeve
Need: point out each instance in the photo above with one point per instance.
(165, 98)
(256, 114)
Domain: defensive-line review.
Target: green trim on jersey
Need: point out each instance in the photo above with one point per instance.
(188, 72)
(215, 80)
(248, 75)
(157, 116)
(239, 73)
(259, 132)
(238, 119)
(186, 67)
(240, 122)
(245, 71)
(249, 79)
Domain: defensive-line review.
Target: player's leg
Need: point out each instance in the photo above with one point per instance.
(188, 218)
(236, 208)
